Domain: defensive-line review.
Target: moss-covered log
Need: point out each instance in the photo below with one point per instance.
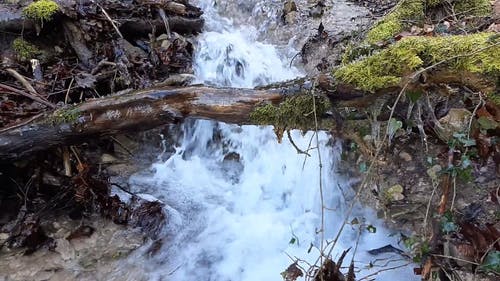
(145, 109)
(475, 55)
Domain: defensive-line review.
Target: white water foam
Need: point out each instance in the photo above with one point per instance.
(236, 198)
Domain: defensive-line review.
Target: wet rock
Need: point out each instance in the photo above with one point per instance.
(81, 232)
(183, 79)
(97, 257)
(291, 18)
(289, 7)
(405, 156)
(232, 156)
(317, 10)
(108, 159)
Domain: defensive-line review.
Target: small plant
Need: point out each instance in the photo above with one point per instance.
(24, 50)
(418, 246)
(70, 115)
(463, 170)
(448, 224)
(42, 10)
(492, 262)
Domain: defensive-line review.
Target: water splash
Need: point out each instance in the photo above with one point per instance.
(239, 203)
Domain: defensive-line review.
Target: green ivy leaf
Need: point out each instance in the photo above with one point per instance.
(448, 227)
(492, 262)
(487, 124)
(363, 167)
(394, 126)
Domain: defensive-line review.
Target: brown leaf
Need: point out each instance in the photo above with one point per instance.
(466, 251)
(475, 236)
(483, 144)
(292, 272)
(427, 268)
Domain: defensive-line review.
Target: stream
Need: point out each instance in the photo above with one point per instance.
(241, 205)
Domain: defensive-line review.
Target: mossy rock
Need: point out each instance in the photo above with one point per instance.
(42, 10)
(387, 67)
(394, 22)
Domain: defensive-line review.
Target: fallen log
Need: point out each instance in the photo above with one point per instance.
(145, 109)
(285, 105)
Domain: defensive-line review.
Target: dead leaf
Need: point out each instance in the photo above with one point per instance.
(292, 272)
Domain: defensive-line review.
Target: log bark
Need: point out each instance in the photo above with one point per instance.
(150, 108)
(139, 110)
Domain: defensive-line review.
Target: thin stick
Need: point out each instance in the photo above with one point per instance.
(122, 146)
(382, 270)
(27, 121)
(427, 211)
(455, 258)
(318, 149)
(109, 19)
(73, 149)
(19, 92)
(67, 91)
(66, 161)
(299, 151)
(22, 80)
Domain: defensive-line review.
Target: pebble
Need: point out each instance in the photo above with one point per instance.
(405, 156)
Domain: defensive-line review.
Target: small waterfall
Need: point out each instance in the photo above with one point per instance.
(240, 203)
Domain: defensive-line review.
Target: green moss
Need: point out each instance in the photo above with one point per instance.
(41, 10)
(406, 12)
(24, 50)
(65, 115)
(385, 68)
(412, 12)
(433, 3)
(294, 113)
(473, 7)
(495, 98)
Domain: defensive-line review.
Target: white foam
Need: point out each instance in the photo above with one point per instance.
(233, 219)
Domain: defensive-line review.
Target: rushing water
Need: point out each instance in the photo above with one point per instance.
(240, 203)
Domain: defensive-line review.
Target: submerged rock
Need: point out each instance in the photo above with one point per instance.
(87, 257)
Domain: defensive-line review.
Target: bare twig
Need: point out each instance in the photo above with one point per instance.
(67, 91)
(318, 149)
(66, 161)
(299, 151)
(27, 121)
(382, 270)
(109, 19)
(22, 80)
(75, 152)
(30, 96)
